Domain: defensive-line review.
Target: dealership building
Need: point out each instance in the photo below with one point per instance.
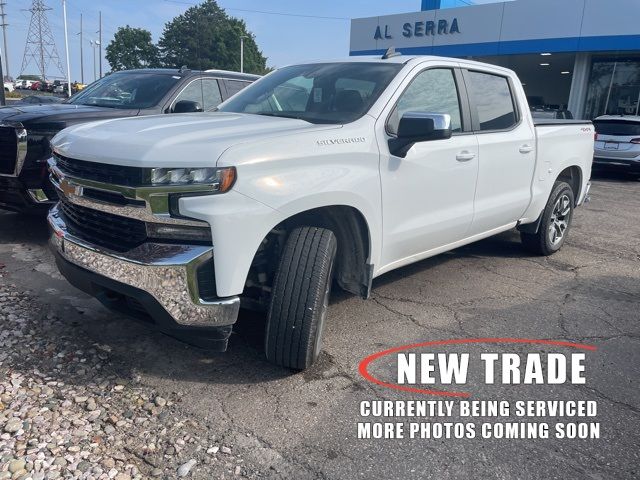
(583, 55)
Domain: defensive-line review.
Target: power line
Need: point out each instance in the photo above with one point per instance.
(264, 12)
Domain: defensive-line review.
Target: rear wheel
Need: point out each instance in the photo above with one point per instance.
(555, 223)
(300, 298)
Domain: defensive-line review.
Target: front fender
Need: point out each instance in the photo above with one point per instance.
(240, 223)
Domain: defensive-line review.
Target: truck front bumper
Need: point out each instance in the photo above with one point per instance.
(156, 282)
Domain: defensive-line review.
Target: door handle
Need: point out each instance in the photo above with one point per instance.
(526, 149)
(465, 156)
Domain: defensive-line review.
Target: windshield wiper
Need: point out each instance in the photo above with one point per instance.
(283, 115)
(99, 105)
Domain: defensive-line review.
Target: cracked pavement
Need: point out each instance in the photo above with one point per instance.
(303, 426)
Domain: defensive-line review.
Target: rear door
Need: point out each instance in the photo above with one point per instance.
(506, 142)
(428, 195)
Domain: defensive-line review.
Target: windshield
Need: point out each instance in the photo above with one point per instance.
(127, 90)
(317, 93)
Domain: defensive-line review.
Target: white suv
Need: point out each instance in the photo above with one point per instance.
(617, 145)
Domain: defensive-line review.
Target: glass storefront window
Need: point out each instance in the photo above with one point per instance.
(614, 87)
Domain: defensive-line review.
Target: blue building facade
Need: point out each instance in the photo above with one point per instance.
(584, 54)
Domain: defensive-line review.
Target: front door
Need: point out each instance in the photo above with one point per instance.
(428, 196)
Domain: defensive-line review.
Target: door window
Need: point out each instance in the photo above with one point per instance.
(491, 97)
(204, 91)
(432, 91)
(234, 86)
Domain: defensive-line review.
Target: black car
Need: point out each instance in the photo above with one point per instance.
(25, 130)
(38, 100)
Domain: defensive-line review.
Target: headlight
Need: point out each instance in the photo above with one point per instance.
(221, 179)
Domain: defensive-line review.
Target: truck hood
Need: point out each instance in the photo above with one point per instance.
(59, 115)
(190, 139)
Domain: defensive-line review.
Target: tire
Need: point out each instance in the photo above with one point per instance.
(555, 223)
(300, 298)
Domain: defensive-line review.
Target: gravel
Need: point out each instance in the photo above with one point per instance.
(65, 413)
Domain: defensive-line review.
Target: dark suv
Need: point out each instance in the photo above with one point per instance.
(25, 131)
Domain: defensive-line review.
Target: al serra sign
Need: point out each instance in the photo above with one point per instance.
(420, 29)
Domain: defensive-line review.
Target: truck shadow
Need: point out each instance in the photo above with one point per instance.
(20, 228)
(613, 177)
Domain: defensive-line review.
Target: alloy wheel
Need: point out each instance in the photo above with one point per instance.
(559, 221)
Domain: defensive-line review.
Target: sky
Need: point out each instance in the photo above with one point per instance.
(283, 39)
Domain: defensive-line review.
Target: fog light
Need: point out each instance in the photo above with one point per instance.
(159, 231)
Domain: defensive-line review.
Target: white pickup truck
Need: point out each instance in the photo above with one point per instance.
(321, 173)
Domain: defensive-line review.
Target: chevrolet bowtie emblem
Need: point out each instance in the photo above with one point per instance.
(69, 188)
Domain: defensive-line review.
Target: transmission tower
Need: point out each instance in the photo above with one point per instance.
(40, 46)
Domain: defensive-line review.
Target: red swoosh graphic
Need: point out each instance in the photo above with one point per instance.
(363, 368)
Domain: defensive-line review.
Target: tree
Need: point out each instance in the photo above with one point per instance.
(131, 48)
(205, 37)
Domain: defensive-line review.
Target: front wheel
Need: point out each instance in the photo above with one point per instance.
(300, 298)
(555, 223)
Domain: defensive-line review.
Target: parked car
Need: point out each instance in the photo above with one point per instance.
(59, 86)
(375, 166)
(46, 86)
(25, 81)
(36, 85)
(25, 131)
(39, 100)
(77, 86)
(617, 146)
(8, 87)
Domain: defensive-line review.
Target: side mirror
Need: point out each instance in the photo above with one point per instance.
(419, 127)
(186, 106)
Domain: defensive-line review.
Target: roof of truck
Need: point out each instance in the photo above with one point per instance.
(405, 59)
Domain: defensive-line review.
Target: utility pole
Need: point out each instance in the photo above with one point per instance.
(94, 44)
(242, 37)
(100, 42)
(40, 45)
(81, 55)
(66, 46)
(4, 26)
(3, 101)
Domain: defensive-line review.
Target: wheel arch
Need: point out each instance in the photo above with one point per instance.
(573, 176)
(353, 271)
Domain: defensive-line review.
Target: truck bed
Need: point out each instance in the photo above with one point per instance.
(545, 122)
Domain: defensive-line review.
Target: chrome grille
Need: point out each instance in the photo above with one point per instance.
(101, 172)
(114, 232)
